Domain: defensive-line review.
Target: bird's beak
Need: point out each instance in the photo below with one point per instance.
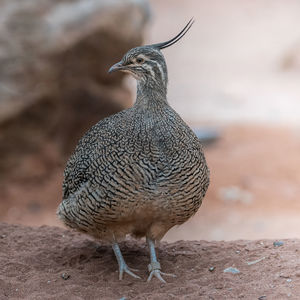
(116, 67)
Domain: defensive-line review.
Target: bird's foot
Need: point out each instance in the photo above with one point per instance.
(122, 264)
(154, 269)
(125, 269)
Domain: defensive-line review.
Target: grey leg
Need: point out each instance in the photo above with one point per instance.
(122, 264)
(154, 266)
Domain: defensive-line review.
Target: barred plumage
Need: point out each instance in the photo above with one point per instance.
(138, 172)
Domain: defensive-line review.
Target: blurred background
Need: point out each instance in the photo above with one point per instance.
(236, 72)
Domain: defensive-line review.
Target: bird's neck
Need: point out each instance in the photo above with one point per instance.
(151, 94)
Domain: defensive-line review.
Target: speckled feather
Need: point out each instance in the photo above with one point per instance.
(140, 171)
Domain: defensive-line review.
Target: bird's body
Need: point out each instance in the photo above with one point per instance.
(138, 172)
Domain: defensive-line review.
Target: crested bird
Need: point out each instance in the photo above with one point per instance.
(139, 172)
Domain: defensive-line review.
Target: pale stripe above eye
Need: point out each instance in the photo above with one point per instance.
(143, 57)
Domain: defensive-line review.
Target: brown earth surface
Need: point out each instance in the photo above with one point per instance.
(33, 261)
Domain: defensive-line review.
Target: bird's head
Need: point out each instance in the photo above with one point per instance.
(147, 63)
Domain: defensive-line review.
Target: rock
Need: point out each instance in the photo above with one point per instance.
(278, 243)
(235, 194)
(207, 135)
(65, 276)
(54, 57)
(232, 270)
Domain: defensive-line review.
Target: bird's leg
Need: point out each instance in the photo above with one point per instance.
(122, 264)
(154, 266)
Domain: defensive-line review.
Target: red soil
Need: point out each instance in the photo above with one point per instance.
(32, 261)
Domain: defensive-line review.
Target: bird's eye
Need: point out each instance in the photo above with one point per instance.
(139, 60)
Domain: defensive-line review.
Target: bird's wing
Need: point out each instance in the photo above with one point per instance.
(95, 141)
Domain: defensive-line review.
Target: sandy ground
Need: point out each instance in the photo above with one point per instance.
(33, 260)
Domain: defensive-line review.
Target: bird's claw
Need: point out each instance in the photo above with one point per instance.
(125, 269)
(154, 269)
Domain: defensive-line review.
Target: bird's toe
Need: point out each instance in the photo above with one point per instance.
(125, 269)
(154, 269)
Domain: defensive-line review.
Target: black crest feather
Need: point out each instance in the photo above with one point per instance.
(175, 39)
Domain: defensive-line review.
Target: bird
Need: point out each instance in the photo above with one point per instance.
(140, 171)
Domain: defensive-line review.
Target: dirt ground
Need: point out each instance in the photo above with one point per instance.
(34, 260)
